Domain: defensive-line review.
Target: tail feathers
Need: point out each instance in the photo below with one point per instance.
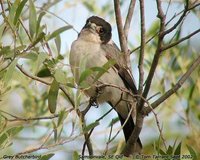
(128, 129)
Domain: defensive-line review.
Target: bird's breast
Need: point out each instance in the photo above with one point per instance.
(85, 55)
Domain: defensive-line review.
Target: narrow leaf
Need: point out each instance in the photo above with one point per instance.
(85, 74)
(2, 27)
(58, 43)
(41, 58)
(52, 97)
(61, 118)
(60, 76)
(106, 67)
(114, 120)
(57, 32)
(13, 11)
(38, 39)
(38, 22)
(178, 149)
(10, 71)
(47, 156)
(44, 72)
(192, 152)
(3, 138)
(75, 155)
(90, 126)
(15, 130)
(32, 18)
(19, 10)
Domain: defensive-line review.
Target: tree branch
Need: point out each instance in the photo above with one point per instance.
(161, 16)
(180, 40)
(171, 91)
(129, 18)
(122, 37)
(141, 58)
(45, 82)
(179, 21)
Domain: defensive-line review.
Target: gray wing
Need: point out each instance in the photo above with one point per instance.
(113, 52)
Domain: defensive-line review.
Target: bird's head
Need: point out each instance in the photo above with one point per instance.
(96, 29)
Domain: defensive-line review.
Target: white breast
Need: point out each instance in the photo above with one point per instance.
(90, 54)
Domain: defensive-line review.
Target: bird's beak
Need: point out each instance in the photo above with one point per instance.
(91, 26)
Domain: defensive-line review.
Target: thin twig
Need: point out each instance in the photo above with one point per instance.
(141, 58)
(180, 40)
(16, 118)
(129, 17)
(159, 128)
(87, 138)
(122, 37)
(162, 17)
(179, 20)
(109, 137)
(45, 82)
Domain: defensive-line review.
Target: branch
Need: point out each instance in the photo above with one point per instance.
(180, 40)
(171, 91)
(135, 49)
(122, 37)
(161, 16)
(16, 118)
(180, 19)
(190, 8)
(141, 58)
(45, 82)
(129, 17)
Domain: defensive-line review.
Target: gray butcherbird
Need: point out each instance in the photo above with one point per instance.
(94, 48)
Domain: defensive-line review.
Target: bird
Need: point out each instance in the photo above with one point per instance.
(94, 47)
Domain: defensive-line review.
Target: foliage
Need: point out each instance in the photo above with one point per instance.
(34, 74)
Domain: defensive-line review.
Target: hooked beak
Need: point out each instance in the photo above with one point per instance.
(91, 26)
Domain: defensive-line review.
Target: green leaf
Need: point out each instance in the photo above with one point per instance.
(106, 67)
(57, 32)
(13, 131)
(32, 18)
(61, 117)
(32, 56)
(41, 58)
(178, 150)
(98, 69)
(47, 156)
(19, 10)
(114, 120)
(60, 76)
(170, 150)
(2, 27)
(38, 39)
(9, 72)
(58, 43)
(13, 11)
(55, 131)
(38, 23)
(3, 138)
(44, 72)
(7, 52)
(52, 97)
(85, 74)
(192, 152)
(75, 155)
(90, 126)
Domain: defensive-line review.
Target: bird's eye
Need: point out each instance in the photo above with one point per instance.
(101, 30)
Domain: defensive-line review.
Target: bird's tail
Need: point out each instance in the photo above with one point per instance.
(128, 129)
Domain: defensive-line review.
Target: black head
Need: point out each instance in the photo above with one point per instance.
(101, 27)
